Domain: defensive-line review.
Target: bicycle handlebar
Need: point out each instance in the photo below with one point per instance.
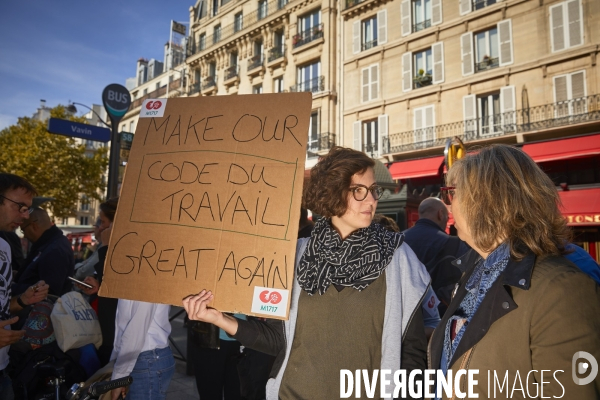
(98, 388)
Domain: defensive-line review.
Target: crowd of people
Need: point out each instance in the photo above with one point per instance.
(509, 293)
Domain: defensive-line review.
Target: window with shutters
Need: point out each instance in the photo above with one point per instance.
(313, 134)
(424, 126)
(370, 138)
(369, 33)
(417, 15)
(570, 94)
(490, 114)
(479, 4)
(421, 11)
(486, 50)
(370, 83)
(566, 25)
(423, 67)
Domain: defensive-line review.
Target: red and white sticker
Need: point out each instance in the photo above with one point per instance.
(153, 108)
(269, 301)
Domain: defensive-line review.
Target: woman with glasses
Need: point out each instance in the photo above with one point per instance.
(521, 313)
(356, 296)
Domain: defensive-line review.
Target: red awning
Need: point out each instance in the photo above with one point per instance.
(581, 207)
(420, 168)
(563, 149)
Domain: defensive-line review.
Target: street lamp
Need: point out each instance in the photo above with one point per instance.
(113, 168)
(72, 109)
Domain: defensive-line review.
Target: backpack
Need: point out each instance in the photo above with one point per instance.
(444, 274)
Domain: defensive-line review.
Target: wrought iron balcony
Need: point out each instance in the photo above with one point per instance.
(194, 88)
(323, 142)
(368, 45)
(553, 115)
(422, 80)
(227, 31)
(314, 85)
(231, 72)
(309, 35)
(276, 53)
(371, 149)
(479, 4)
(352, 3)
(487, 63)
(419, 26)
(209, 82)
(255, 62)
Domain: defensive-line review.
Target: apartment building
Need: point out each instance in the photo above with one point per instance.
(269, 46)
(418, 72)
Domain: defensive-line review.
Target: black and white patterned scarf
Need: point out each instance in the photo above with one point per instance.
(357, 261)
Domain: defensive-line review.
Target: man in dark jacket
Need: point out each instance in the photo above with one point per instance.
(50, 259)
(436, 249)
(428, 237)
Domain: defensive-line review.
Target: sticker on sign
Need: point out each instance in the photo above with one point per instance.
(153, 108)
(269, 301)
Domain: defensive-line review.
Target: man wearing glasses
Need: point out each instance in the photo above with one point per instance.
(16, 196)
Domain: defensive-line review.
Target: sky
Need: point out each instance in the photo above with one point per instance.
(63, 51)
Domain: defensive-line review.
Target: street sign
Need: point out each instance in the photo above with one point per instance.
(78, 130)
(116, 99)
(126, 140)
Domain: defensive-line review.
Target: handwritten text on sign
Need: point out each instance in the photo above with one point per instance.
(211, 200)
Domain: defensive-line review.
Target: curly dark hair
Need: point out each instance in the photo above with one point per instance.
(109, 208)
(326, 193)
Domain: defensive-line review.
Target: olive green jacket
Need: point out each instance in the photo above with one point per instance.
(532, 321)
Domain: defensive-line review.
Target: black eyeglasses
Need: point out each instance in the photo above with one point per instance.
(360, 192)
(23, 208)
(447, 194)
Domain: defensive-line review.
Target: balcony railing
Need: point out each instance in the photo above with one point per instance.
(194, 88)
(323, 142)
(479, 4)
(352, 3)
(276, 53)
(314, 85)
(231, 72)
(419, 26)
(487, 63)
(368, 45)
(255, 62)
(309, 35)
(422, 80)
(152, 95)
(209, 82)
(371, 149)
(554, 115)
(227, 31)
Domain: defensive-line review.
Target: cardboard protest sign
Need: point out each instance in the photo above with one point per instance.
(211, 200)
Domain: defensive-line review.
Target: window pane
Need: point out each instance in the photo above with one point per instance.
(419, 11)
(493, 33)
(427, 9)
(480, 46)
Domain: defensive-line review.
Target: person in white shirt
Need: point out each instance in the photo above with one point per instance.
(141, 349)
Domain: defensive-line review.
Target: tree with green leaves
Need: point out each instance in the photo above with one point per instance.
(56, 165)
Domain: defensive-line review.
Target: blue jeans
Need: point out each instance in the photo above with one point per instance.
(151, 375)
(6, 390)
